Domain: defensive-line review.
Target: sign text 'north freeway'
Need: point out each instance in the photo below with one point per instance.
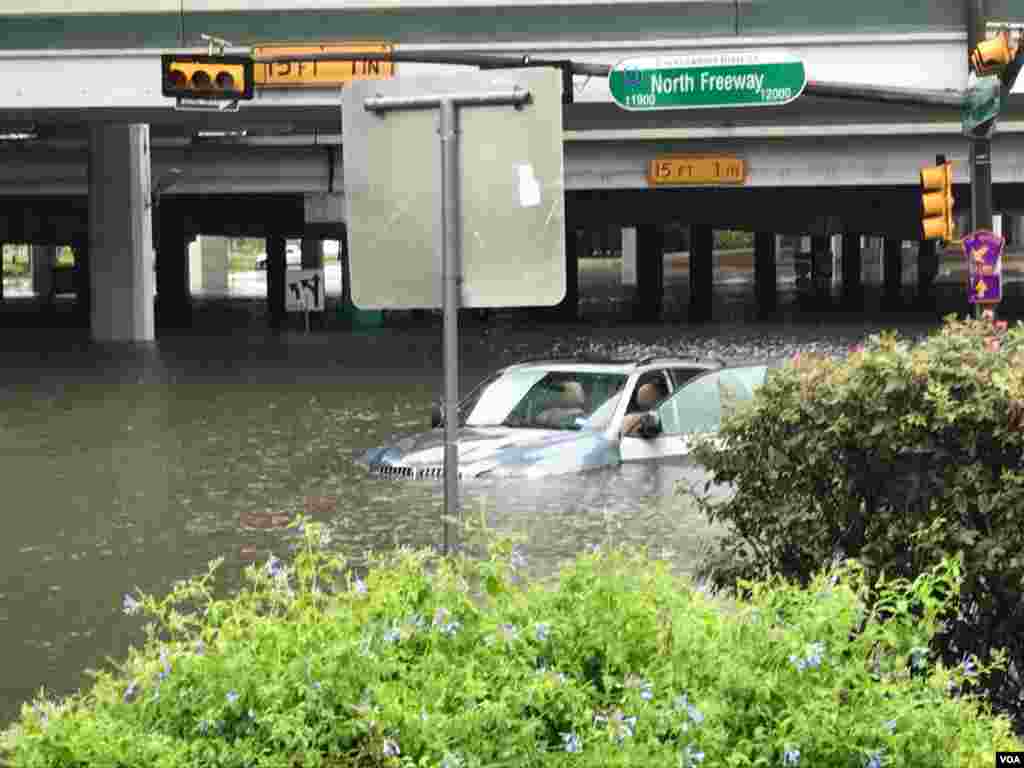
(700, 81)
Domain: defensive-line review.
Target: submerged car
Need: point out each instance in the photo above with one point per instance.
(555, 417)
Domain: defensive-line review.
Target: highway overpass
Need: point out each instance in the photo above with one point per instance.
(815, 166)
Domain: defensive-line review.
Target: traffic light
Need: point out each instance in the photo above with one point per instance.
(937, 202)
(992, 55)
(207, 77)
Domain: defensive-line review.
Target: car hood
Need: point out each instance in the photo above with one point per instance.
(500, 451)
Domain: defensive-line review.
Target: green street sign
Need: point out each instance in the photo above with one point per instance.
(982, 102)
(704, 80)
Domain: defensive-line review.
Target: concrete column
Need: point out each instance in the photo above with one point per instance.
(893, 270)
(343, 261)
(276, 280)
(213, 252)
(650, 273)
(1018, 231)
(872, 260)
(629, 256)
(82, 280)
(927, 267)
(2, 271)
(312, 253)
(569, 307)
(997, 224)
(195, 267)
(821, 264)
(120, 234)
(174, 274)
(765, 276)
(853, 286)
(44, 259)
(702, 254)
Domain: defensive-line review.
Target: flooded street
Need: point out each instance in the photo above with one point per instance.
(126, 467)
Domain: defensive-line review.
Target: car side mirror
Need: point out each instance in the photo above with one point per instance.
(650, 424)
(436, 419)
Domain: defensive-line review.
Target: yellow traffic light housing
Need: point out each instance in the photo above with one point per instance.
(992, 55)
(220, 78)
(937, 202)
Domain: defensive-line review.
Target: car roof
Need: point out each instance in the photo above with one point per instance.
(590, 365)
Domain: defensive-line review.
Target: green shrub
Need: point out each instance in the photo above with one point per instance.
(898, 456)
(433, 661)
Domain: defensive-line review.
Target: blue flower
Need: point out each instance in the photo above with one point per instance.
(646, 693)
(451, 628)
(968, 666)
(391, 748)
(317, 685)
(130, 691)
(360, 587)
(875, 759)
(200, 648)
(393, 635)
(232, 697)
(691, 757)
(542, 631)
(517, 558)
(682, 702)
(509, 632)
(890, 726)
(791, 757)
(813, 658)
(167, 665)
(571, 742)
(440, 617)
(130, 605)
(274, 567)
(203, 727)
(451, 761)
(919, 658)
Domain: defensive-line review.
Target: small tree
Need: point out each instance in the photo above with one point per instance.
(897, 456)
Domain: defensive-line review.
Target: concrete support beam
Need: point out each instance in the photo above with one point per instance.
(276, 245)
(821, 265)
(629, 256)
(702, 246)
(765, 273)
(120, 234)
(927, 267)
(853, 264)
(568, 309)
(343, 260)
(2, 244)
(174, 275)
(312, 253)
(83, 279)
(216, 260)
(892, 270)
(43, 259)
(648, 299)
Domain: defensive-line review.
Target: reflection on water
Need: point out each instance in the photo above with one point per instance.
(128, 467)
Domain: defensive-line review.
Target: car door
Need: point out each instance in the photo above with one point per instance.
(696, 409)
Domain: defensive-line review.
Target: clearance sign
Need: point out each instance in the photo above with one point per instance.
(320, 74)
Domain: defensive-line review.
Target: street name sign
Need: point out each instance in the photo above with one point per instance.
(706, 80)
(982, 102)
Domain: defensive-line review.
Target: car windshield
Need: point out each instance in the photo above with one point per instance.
(540, 399)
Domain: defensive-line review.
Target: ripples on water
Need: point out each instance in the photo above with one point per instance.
(124, 468)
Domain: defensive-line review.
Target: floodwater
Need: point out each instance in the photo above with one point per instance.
(134, 466)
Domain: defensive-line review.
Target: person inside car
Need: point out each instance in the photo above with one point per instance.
(647, 396)
(570, 404)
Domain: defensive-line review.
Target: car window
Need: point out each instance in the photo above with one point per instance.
(680, 376)
(541, 399)
(701, 405)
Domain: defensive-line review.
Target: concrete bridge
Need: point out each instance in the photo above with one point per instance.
(86, 86)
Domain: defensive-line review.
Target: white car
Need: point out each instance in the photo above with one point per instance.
(554, 417)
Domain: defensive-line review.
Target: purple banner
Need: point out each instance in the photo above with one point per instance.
(984, 253)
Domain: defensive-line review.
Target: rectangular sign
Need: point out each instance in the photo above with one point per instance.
(727, 79)
(304, 290)
(511, 189)
(676, 170)
(984, 253)
(319, 74)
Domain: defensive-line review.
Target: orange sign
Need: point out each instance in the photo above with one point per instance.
(672, 170)
(319, 74)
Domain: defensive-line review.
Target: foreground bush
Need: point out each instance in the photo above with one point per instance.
(899, 455)
(451, 662)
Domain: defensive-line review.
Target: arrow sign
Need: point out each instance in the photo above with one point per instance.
(704, 80)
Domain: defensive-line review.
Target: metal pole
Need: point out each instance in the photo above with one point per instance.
(981, 146)
(452, 279)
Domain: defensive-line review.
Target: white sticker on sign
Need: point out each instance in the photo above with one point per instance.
(529, 187)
